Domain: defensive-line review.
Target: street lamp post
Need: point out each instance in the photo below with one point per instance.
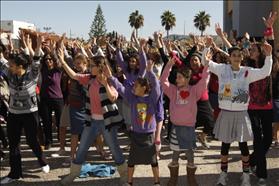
(47, 28)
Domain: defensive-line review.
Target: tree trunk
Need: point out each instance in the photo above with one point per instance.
(168, 34)
(201, 32)
(136, 33)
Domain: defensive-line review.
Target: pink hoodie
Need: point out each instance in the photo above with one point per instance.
(183, 102)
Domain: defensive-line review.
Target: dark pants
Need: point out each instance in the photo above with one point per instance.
(4, 114)
(167, 117)
(47, 106)
(205, 117)
(15, 124)
(262, 129)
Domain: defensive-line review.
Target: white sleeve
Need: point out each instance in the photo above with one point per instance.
(212, 66)
(215, 68)
(255, 74)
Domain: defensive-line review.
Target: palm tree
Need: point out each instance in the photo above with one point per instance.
(136, 20)
(168, 21)
(201, 21)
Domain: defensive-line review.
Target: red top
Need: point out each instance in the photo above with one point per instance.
(195, 78)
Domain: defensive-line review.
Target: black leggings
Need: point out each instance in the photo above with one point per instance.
(242, 146)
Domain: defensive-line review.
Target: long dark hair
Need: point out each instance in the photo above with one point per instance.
(53, 58)
(252, 62)
(135, 56)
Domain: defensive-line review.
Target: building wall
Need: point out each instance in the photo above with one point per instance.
(250, 17)
(247, 16)
(13, 26)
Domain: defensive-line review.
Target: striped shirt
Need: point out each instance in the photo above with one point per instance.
(22, 89)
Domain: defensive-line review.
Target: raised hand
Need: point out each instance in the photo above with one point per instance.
(11, 46)
(150, 65)
(22, 38)
(218, 30)
(208, 41)
(40, 39)
(61, 40)
(107, 71)
(28, 41)
(156, 36)
(102, 79)
(267, 49)
(52, 45)
(60, 54)
(172, 61)
(142, 42)
(247, 36)
(208, 57)
(270, 20)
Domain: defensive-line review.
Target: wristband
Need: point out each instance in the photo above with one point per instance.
(268, 31)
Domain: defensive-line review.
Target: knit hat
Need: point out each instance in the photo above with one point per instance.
(197, 54)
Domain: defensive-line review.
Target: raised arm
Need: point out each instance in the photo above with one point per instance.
(166, 85)
(269, 33)
(255, 74)
(156, 91)
(66, 67)
(143, 58)
(220, 33)
(201, 86)
(119, 59)
(35, 65)
(206, 58)
(123, 91)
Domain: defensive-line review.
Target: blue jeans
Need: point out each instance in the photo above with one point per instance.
(89, 135)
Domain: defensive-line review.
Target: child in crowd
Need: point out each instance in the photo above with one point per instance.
(143, 99)
(233, 122)
(22, 74)
(183, 110)
(101, 115)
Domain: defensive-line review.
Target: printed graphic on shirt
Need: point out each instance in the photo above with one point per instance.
(182, 96)
(226, 93)
(143, 117)
(241, 96)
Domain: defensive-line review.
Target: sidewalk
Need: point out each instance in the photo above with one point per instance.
(206, 160)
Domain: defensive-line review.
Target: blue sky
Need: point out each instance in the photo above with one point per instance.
(77, 16)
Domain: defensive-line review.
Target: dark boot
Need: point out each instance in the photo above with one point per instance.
(174, 169)
(191, 179)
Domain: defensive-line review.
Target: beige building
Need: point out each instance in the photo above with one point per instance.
(246, 16)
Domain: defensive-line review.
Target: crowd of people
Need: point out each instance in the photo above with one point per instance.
(231, 90)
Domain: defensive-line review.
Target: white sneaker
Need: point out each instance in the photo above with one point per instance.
(245, 179)
(223, 178)
(7, 180)
(262, 182)
(45, 169)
